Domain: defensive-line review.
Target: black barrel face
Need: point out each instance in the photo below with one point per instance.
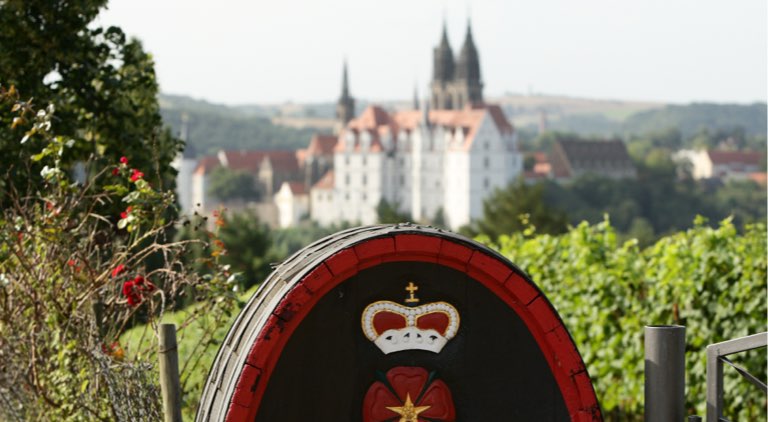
(492, 366)
(398, 323)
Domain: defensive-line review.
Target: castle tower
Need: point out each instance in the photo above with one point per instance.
(468, 87)
(443, 73)
(345, 107)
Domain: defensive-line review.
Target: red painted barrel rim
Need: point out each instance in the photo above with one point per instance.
(494, 272)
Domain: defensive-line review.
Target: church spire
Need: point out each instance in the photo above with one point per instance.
(468, 77)
(443, 56)
(416, 97)
(345, 107)
(344, 82)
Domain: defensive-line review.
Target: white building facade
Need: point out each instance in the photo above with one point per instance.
(431, 165)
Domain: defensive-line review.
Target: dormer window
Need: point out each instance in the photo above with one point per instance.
(349, 140)
(386, 141)
(365, 141)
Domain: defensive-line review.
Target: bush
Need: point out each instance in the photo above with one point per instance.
(73, 278)
(712, 280)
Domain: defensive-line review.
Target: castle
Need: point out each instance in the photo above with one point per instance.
(435, 163)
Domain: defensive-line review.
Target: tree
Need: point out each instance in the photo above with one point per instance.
(247, 242)
(388, 214)
(101, 85)
(227, 184)
(515, 208)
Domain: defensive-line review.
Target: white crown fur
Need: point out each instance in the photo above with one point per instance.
(393, 327)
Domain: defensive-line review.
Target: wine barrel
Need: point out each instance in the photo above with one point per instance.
(398, 322)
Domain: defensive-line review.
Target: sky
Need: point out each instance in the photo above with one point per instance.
(259, 52)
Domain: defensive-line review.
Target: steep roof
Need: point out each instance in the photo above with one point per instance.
(572, 155)
(595, 150)
(297, 188)
(250, 161)
(751, 158)
(326, 182)
(376, 121)
(321, 145)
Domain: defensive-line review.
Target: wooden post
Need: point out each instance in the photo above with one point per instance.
(169, 373)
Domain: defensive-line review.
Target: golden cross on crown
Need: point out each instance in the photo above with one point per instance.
(411, 289)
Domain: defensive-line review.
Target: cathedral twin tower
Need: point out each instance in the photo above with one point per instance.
(455, 84)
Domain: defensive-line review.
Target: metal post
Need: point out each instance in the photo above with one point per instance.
(664, 373)
(715, 352)
(169, 373)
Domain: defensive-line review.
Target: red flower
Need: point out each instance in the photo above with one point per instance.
(125, 213)
(115, 171)
(71, 262)
(405, 396)
(143, 284)
(136, 175)
(124, 160)
(131, 293)
(118, 270)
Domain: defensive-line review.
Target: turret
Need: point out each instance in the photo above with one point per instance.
(345, 107)
(444, 65)
(469, 87)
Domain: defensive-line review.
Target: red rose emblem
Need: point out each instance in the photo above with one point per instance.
(408, 394)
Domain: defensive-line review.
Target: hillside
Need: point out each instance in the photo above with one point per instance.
(212, 127)
(290, 125)
(692, 118)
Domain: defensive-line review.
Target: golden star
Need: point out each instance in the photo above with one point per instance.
(408, 411)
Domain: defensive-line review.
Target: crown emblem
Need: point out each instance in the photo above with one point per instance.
(393, 327)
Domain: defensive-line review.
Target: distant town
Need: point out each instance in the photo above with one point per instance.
(434, 159)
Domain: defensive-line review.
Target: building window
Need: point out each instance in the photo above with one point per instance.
(365, 180)
(346, 179)
(365, 196)
(486, 162)
(402, 180)
(486, 183)
(346, 159)
(346, 197)
(364, 159)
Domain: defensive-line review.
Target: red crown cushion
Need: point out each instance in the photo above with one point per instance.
(437, 321)
(386, 320)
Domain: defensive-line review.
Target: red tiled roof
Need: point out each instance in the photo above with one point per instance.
(206, 164)
(250, 161)
(376, 121)
(321, 145)
(283, 161)
(297, 188)
(735, 157)
(326, 182)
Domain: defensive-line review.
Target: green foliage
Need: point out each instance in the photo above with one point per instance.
(388, 213)
(712, 280)
(289, 240)
(102, 86)
(227, 184)
(515, 208)
(654, 204)
(198, 344)
(247, 241)
(72, 279)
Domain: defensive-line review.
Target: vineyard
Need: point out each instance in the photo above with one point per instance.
(712, 280)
